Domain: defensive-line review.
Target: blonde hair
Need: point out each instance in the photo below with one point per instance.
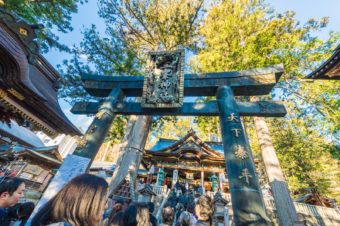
(80, 202)
(143, 214)
(206, 207)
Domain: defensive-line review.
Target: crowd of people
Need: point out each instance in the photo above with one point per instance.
(84, 202)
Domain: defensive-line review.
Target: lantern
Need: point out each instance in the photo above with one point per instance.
(219, 203)
(146, 193)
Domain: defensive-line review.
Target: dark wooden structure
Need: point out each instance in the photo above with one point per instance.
(330, 69)
(195, 160)
(28, 83)
(190, 150)
(247, 201)
(35, 165)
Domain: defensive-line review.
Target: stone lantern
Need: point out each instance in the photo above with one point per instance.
(219, 203)
(146, 193)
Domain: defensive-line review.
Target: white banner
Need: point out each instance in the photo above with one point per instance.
(72, 166)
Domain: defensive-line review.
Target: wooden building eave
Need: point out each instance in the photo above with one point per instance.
(330, 69)
(27, 80)
(173, 149)
(45, 156)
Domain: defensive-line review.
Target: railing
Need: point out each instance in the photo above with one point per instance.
(318, 211)
(301, 208)
(159, 190)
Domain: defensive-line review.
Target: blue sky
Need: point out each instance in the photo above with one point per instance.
(87, 15)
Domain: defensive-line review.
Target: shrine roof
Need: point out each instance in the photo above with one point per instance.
(330, 69)
(20, 134)
(163, 143)
(189, 147)
(45, 155)
(28, 83)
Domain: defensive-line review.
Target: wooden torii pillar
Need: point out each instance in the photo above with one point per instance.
(247, 201)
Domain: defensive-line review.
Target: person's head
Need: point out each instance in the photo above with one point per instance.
(136, 214)
(118, 207)
(116, 219)
(191, 208)
(80, 202)
(168, 215)
(11, 190)
(184, 218)
(143, 214)
(151, 207)
(130, 216)
(21, 210)
(204, 208)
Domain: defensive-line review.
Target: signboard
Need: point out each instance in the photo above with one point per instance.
(164, 82)
(174, 177)
(190, 176)
(72, 166)
(33, 169)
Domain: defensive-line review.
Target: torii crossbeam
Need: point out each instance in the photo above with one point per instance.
(247, 201)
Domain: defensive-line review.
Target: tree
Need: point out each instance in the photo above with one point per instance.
(305, 157)
(133, 28)
(245, 34)
(51, 14)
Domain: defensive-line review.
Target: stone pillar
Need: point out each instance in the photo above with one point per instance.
(284, 205)
(99, 127)
(132, 149)
(247, 201)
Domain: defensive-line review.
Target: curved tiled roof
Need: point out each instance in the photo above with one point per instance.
(28, 83)
(330, 69)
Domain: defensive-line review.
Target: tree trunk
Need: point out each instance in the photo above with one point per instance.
(131, 150)
(284, 204)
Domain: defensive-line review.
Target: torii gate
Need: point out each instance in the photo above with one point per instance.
(162, 93)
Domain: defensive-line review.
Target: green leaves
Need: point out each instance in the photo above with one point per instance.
(52, 14)
(246, 34)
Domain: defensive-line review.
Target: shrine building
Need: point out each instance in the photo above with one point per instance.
(192, 160)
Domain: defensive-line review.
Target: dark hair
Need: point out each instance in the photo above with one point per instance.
(118, 207)
(10, 185)
(191, 207)
(116, 219)
(80, 202)
(151, 207)
(168, 215)
(21, 210)
(130, 216)
(136, 214)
